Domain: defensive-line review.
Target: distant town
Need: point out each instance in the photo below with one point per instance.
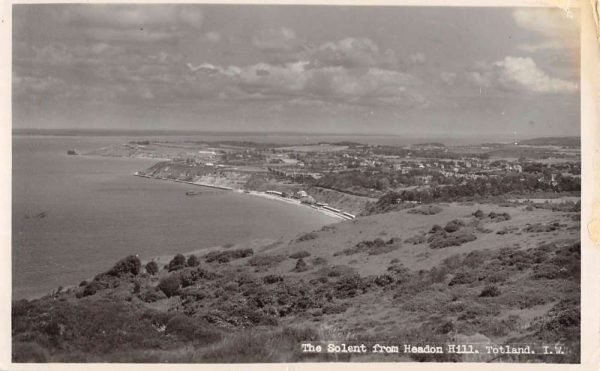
(346, 176)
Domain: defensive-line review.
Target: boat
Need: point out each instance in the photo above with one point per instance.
(192, 193)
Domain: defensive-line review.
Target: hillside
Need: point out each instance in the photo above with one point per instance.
(553, 141)
(436, 273)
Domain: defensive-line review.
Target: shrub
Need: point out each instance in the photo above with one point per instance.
(93, 287)
(299, 254)
(193, 293)
(453, 225)
(455, 239)
(152, 295)
(507, 230)
(426, 210)
(334, 308)
(416, 239)
(29, 352)
(178, 262)
(226, 256)
(130, 264)
(170, 285)
(318, 261)
(463, 277)
(474, 259)
(183, 326)
(478, 214)
(435, 228)
(266, 260)
(307, 237)
(374, 247)
(272, 278)
(542, 228)
(152, 268)
(300, 266)
(349, 286)
(193, 261)
(383, 280)
(495, 217)
(490, 291)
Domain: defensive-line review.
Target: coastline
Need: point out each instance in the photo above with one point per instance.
(340, 216)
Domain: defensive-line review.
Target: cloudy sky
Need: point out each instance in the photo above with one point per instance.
(401, 70)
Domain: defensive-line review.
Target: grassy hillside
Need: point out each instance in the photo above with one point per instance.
(437, 273)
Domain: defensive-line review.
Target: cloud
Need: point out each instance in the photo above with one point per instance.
(276, 40)
(128, 16)
(132, 23)
(212, 36)
(448, 77)
(547, 21)
(559, 29)
(516, 73)
(352, 52)
(416, 58)
(544, 45)
(373, 86)
(524, 72)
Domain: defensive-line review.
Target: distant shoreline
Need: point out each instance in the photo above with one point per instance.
(332, 214)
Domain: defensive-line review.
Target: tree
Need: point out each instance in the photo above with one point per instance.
(193, 261)
(170, 285)
(152, 268)
(178, 262)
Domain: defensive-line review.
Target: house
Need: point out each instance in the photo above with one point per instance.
(301, 194)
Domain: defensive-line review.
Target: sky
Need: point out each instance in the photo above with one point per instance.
(415, 71)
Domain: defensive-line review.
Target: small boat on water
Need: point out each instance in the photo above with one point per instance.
(192, 193)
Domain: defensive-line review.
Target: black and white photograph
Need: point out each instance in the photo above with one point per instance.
(286, 183)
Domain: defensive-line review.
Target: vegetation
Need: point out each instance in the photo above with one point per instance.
(152, 267)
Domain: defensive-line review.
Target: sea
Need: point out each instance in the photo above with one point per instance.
(75, 216)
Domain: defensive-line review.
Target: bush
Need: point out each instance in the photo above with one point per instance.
(462, 278)
(152, 268)
(478, 214)
(183, 326)
(152, 295)
(416, 239)
(93, 287)
(178, 262)
(170, 285)
(193, 293)
(454, 225)
(266, 260)
(28, 352)
(542, 228)
(490, 291)
(300, 266)
(272, 278)
(193, 261)
(334, 308)
(318, 261)
(130, 264)
(426, 210)
(299, 254)
(498, 217)
(374, 247)
(307, 236)
(226, 256)
(455, 239)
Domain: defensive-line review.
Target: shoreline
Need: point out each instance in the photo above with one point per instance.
(265, 195)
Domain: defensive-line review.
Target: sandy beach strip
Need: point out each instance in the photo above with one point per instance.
(256, 194)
